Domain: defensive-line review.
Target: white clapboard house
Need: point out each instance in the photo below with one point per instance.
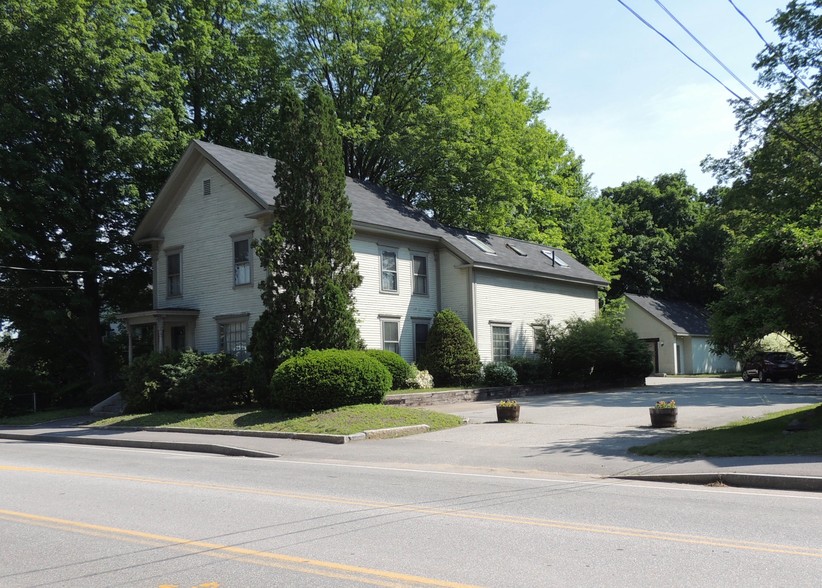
(217, 201)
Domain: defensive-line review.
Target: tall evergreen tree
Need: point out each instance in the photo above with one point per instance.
(311, 269)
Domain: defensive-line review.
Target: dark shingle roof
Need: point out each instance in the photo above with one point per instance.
(683, 317)
(377, 209)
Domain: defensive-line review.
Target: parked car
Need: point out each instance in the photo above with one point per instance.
(771, 365)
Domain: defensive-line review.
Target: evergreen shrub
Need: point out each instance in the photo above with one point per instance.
(207, 382)
(529, 370)
(451, 354)
(399, 368)
(599, 349)
(320, 380)
(189, 381)
(499, 374)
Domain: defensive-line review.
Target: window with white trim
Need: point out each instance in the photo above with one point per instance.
(174, 274)
(242, 261)
(388, 270)
(390, 335)
(234, 337)
(420, 339)
(501, 337)
(420, 270)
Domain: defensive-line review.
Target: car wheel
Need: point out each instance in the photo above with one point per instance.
(746, 377)
(762, 376)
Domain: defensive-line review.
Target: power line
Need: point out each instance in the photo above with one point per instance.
(685, 55)
(37, 269)
(778, 125)
(775, 52)
(708, 51)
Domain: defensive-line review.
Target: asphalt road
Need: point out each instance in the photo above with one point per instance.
(401, 512)
(93, 516)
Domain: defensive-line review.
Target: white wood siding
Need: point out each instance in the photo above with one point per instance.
(503, 298)
(454, 287)
(203, 226)
(403, 306)
(648, 327)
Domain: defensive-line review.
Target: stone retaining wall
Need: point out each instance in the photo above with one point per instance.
(423, 398)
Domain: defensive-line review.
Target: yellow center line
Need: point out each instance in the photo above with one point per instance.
(295, 563)
(463, 514)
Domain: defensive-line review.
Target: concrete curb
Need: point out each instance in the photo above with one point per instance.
(167, 445)
(761, 481)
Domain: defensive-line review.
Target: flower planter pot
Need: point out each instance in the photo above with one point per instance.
(507, 414)
(663, 417)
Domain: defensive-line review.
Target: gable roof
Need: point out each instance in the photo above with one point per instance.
(682, 317)
(374, 209)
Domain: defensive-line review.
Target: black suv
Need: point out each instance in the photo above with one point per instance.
(771, 365)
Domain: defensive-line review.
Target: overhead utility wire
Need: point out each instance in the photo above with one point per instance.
(37, 269)
(685, 55)
(779, 125)
(777, 53)
(708, 51)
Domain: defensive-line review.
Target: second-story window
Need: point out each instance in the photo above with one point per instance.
(242, 262)
(420, 263)
(174, 274)
(388, 265)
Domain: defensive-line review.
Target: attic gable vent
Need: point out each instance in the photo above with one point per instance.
(484, 247)
(555, 259)
(207, 187)
(516, 250)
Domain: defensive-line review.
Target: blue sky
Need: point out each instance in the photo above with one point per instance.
(625, 100)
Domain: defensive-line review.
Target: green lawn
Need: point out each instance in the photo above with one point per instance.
(342, 421)
(750, 437)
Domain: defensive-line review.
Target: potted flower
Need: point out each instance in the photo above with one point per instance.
(508, 411)
(663, 414)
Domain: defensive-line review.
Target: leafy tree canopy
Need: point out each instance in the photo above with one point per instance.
(773, 203)
(88, 129)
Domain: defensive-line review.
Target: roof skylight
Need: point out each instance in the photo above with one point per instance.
(516, 250)
(484, 247)
(555, 259)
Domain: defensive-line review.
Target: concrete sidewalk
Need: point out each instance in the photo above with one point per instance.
(586, 434)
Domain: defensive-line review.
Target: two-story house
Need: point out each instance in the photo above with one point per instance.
(217, 201)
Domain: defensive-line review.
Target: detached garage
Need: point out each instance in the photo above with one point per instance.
(677, 334)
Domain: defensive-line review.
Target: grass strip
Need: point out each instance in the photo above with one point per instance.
(339, 421)
(766, 435)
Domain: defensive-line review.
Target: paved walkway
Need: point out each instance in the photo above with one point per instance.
(586, 434)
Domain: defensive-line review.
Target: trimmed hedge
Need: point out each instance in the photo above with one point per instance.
(450, 353)
(529, 371)
(399, 368)
(319, 380)
(499, 374)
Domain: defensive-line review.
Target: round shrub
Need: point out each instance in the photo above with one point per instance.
(319, 380)
(450, 353)
(499, 374)
(399, 368)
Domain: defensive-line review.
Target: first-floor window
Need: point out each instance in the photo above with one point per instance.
(391, 335)
(234, 338)
(420, 339)
(502, 343)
